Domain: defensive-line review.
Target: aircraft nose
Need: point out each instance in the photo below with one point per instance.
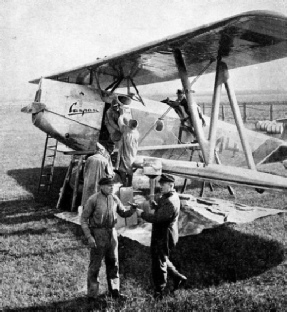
(27, 108)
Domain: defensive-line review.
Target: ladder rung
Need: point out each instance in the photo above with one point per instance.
(47, 174)
(43, 185)
(47, 170)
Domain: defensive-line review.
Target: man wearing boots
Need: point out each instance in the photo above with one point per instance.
(164, 235)
(98, 223)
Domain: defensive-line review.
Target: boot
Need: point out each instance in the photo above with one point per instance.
(117, 295)
(158, 295)
(179, 280)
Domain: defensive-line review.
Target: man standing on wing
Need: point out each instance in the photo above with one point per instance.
(185, 114)
(111, 121)
(164, 235)
(128, 148)
(98, 223)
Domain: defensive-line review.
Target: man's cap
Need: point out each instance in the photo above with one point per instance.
(166, 178)
(179, 91)
(107, 181)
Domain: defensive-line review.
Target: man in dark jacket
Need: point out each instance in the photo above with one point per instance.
(182, 102)
(164, 235)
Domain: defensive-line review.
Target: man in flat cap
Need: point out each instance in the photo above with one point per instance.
(98, 223)
(164, 235)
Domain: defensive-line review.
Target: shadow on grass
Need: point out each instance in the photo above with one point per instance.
(210, 258)
(29, 179)
(15, 219)
(28, 232)
(77, 304)
(22, 211)
(225, 255)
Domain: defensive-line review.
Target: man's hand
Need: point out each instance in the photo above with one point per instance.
(153, 204)
(134, 206)
(92, 242)
(139, 212)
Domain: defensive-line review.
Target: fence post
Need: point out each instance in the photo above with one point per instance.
(244, 113)
(271, 112)
(222, 112)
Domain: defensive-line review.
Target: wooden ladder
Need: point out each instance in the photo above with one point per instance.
(78, 161)
(197, 148)
(193, 149)
(47, 167)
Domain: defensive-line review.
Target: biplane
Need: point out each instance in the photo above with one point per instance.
(70, 105)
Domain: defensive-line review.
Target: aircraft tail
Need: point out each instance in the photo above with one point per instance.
(278, 155)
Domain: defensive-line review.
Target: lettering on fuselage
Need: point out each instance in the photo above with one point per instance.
(223, 143)
(80, 111)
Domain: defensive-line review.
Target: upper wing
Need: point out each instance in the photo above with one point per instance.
(245, 39)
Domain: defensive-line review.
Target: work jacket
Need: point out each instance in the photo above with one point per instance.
(128, 148)
(97, 166)
(100, 212)
(165, 222)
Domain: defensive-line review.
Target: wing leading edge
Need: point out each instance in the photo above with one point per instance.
(245, 39)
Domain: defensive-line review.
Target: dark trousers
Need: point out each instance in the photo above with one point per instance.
(107, 248)
(127, 179)
(161, 265)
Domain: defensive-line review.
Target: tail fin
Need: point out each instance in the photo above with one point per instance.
(278, 155)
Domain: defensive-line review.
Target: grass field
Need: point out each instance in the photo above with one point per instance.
(43, 260)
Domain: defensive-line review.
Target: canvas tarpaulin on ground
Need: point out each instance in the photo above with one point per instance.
(196, 215)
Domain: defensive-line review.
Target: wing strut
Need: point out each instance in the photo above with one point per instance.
(239, 121)
(192, 107)
(137, 91)
(221, 77)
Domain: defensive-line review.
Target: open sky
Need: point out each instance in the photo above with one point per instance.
(40, 37)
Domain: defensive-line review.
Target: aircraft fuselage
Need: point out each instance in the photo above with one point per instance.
(73, 114)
